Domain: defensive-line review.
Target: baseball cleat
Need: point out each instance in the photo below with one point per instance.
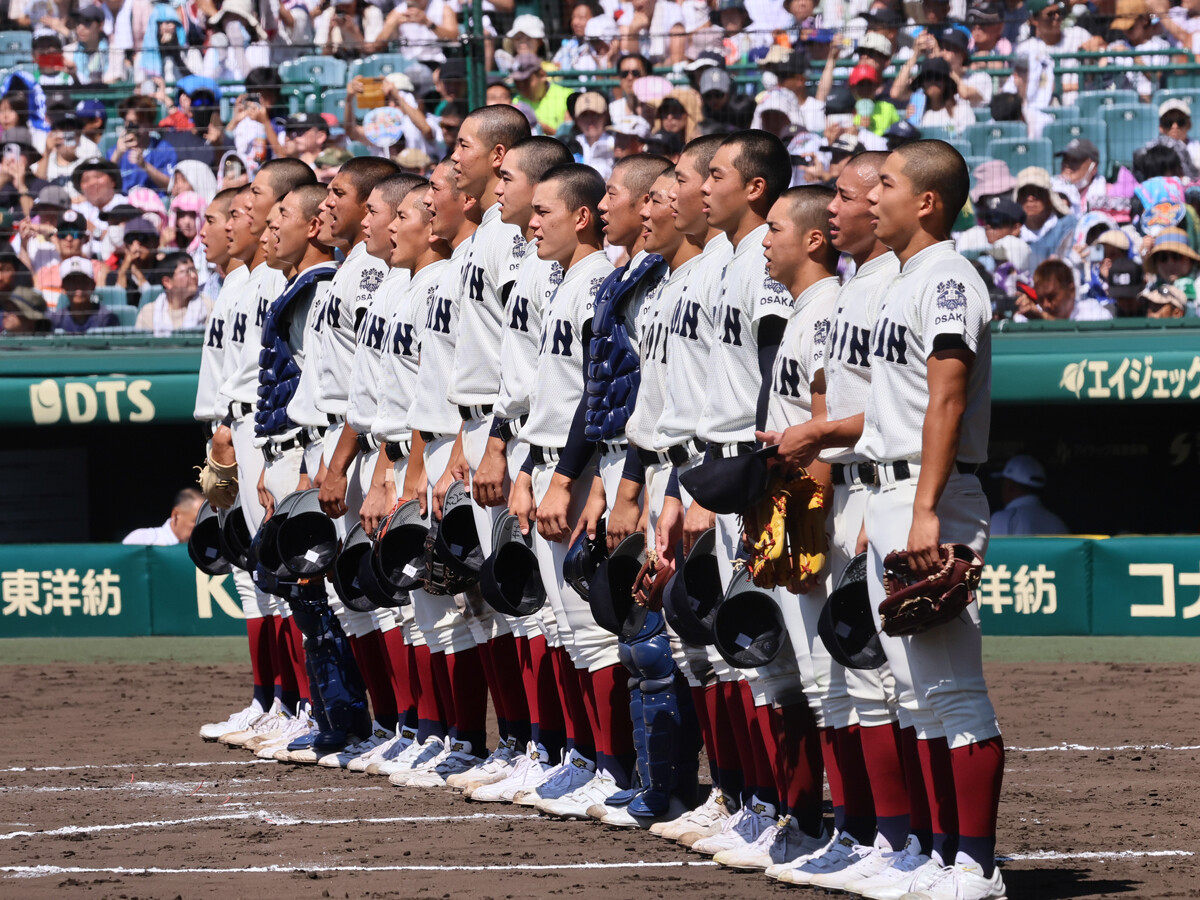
(389, 749)
(298, 725)
(621, 817)
(843, 852)
(528, 772)
(878, 858)
(454, 759)
(416, 757)
(575, 804)
(895, 879)
(740, 830)
(705, 819)
(342, 758)
(239, 721)
(497, 766)
(263, 724)
(962, 881)
(572, 773)
(781, 843)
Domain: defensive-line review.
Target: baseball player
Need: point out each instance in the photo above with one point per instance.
(491, 270)
(925, 429)
(688, 345)
(801, 257)
(436, 421)
(538, 646)
(898, 794)
(567, 225)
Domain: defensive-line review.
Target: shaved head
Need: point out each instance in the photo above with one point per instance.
(938, 168)
(640, 171)
(867, 164)
(808, 206)
(309, 198)
(394, 188)
(500, 124)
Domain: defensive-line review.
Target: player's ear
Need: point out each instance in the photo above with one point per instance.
(314, 227)
(756, 189)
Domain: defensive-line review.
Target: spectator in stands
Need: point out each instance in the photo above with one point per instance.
(527, 35)
(720, 102)
(629, 136)
(79, 312)
(630, 67)
(1022, 479)
(178, 527)
(193, 175)
(941, 107)
(839, 153)
(575, 48)
(1172, 261)
(990, 180)
(1159, 159)
(143, 155)
(419, 25)
(183, 229)
(69, 241)
(1049, 226)
(655, 28)
(450, 81)
(89, 51)
(1079, 179)
(1174, 127)
(18, 185)
(986, 21)
(900, 134)
(138, 260)
(255, 134)
(1048, 36)
(34, 241)
(885, 20)
(741, 39)
(52, 68)
(194, 100)
(594, 144)
(1165, 301)
(65, 146)
(1180, 23)
(548, 99)
(1126, 281)
(1056, 298)
(181, 305)
(872, 112)
(413, 161)
(954, 46)
(24, 312)
(875, 49)
(601, 46)
(306, 135)
(98, 181)
(92, 117)
(328, 163)
(1138, 30)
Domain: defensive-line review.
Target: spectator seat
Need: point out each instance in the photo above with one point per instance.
(1091, 102)
(1128, 128)
(982, 134)
(1059, 134)
(1020, 153)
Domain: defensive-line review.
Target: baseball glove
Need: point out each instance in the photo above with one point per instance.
(914, 604)
(652, 581)
(790, 523)
(218, 483)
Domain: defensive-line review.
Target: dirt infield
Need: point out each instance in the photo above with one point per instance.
(102, 776)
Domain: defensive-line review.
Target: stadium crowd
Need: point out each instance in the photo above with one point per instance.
(1075, 213)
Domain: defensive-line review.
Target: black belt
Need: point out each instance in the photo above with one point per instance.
(273, 451)
(474, 412)
(366, 443)
(313, 433)
(397, 450)
(868, 472)
(728, 451)
(621, 447)
(237, 410)
(510, 428)
(428, 436)
(676, 455)
(543, 455)
(335, 420)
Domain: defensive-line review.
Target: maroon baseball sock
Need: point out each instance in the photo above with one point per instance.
(885, 770)
(506, 666)
(938, 773)
(260, 633)
(607, 691)
(470, 695)
(793, 731)
(841, 749)
(430, 693)
(295, 656)
(978, 775)
(402, 670)
(920, 820)
(372, 664)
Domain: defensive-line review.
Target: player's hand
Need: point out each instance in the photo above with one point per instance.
(265, 497)
(222, 446)
(552, 521)
(304, 483)
(593, 512)
(622, 521)
(333, 495)
(923, 554)
(798, 445)
(488, 484)
(416, 485)
(520, 501)
(320, 479)
(380, 500)
(697, 521)
(668, 531)
(439, 491)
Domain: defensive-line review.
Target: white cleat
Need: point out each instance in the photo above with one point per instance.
(962, 881)
(455, 759)
(843, 852)
(740, 830)
(807, 848)
(387, 750)
(297, 726)
(878, 858)
(341, 759)
(497, 766)
(777, 845)
(621, 817)
(269, 721)
(892, 876)
(572, 773)
(527, 773)
(239, 721)
(415, 758)
(406, 739)
(704, 820)
(575, 805)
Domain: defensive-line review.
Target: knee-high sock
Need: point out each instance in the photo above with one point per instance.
(285, 677)
(575, 716)
(938, 773)
(260, 633)
(793, 730)
(606, 692)
(700, 703)
(443, 688)
(470, 693)
(729, 763)
(493, 684)
(885, 770)
(372, 663)
(920, 818)
(853, 811)
(295, 653)
(766, 787)
(430, 717)
(738, 724)
(978, 775)
(403, 675)
(506, 685)
(541, 695)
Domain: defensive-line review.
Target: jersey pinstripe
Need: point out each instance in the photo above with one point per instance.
(938, 293)
(748, 295)
(562, 353)
(490, 270)
(431, 411)
(356, 282)
(264, 286)
(848, 353)
(522, 328)
(402, 351)
(689, 344)
(212, 355)
(365, 374)
(801, 356)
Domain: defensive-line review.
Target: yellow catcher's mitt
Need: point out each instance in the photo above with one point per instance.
(219, 483)
(790, 523)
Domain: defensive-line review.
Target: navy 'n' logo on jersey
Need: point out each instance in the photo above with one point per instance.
(402, 339)
(520, 314)
(654, 343)
(438, 318)
(261, 315)
(239, 329)
(373, 333)
(475, 283)
(787, 381)
(216, 333)
(891, 342)
(332, 313)
(685, 318)
(851, 345)
(563, 337)
(732, 333)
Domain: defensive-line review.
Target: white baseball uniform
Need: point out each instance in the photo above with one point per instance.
(536, 279)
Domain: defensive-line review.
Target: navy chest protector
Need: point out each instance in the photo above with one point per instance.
(278, 374)
(614, 371)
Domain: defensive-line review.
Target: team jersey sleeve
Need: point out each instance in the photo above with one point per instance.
(954, 311)
(770, 298)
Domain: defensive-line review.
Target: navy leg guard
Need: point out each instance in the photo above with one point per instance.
(651, 653)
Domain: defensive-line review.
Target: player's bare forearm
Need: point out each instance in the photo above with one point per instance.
(488, 486)
(520, 501)
(593, 511)
(668, 530)
(456, 470)
(626, 512)
(222, 446)
(335, 484)
(697, 521)
(552, 520)
(265, 498)
(344, 453)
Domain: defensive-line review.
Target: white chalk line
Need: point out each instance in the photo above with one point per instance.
(44, 870)
(266, 818)
(1084, 748)
(184, 788)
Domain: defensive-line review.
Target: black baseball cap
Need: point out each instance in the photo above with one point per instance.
(1001, 210)
(886, 18)
(1125, 279)
(1080, 148)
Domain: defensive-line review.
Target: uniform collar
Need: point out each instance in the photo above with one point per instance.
(583, 268)
(491, 214)
(814, 290)
(1024, 500)
(753, 239)
(878, 262)
(929, 254)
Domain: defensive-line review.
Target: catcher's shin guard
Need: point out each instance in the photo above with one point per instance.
(641, 775)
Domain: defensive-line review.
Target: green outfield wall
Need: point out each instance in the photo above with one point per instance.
(1031, 586)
